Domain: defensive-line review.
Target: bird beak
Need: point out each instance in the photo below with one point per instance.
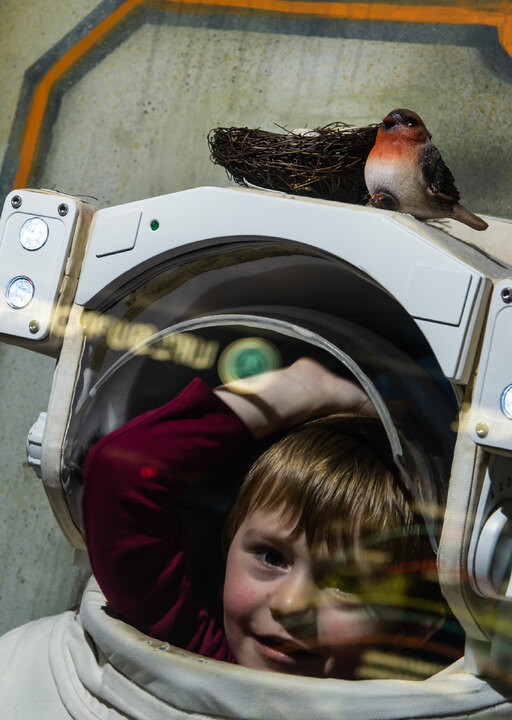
(388, 122)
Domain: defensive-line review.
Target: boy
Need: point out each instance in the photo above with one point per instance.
(320, 519)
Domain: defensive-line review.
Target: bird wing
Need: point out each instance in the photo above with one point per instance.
(437, 175)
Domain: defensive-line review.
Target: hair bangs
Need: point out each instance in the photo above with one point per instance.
(334, 480)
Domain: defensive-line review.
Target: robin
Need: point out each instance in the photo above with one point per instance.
(405, 172)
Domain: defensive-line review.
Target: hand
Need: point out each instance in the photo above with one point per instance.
(324, 393)
(283, 398)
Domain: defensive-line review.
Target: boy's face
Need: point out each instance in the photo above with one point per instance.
(278, 613)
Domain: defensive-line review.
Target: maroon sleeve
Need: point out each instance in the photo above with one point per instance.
(135, 543)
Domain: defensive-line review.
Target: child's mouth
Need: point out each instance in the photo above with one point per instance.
(286, 648)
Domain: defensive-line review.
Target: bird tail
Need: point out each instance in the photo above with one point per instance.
(464, 215)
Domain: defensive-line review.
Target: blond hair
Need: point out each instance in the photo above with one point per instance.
(334, 479)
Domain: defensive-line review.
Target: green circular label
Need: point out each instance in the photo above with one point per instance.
(247, 357)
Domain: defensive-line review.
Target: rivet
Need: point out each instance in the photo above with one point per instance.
(16, 201)
(33, 326)
(63, 209)
(506, 295)
(481, 429)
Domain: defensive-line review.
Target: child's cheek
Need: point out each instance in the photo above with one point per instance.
(340, 627)
(346, 634)
(236, 599)
(238, 590)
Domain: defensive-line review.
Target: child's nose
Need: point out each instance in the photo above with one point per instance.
(295, 594)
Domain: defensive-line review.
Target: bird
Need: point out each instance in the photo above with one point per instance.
(404, 171)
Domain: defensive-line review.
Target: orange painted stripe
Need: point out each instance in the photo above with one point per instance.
(497, 15)
(41, 94)
(459, 14)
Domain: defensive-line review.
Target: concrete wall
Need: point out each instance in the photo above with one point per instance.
(129, 120)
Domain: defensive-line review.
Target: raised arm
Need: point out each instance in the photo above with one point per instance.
(283, 398)
(136, 545)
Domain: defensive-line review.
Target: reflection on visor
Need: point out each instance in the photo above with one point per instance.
(247, 357)
(415, 415)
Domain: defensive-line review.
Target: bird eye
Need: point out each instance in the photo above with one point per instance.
(411, 122)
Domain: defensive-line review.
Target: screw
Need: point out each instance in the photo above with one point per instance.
(481, 429)
(16, 201)
(506, 295)
(33, 326)
(63, 209)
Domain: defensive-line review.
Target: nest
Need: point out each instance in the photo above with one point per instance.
(326, 163)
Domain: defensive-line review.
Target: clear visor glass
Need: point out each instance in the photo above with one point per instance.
(414, 409)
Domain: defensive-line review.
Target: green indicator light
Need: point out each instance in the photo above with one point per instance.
(154, 224)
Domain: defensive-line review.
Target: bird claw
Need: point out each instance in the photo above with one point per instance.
(383, 200)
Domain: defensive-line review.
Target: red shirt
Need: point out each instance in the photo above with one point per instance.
(136, 545)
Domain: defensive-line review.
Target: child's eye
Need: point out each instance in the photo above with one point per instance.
(271, 557)
(344, 590)
(347, 584)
